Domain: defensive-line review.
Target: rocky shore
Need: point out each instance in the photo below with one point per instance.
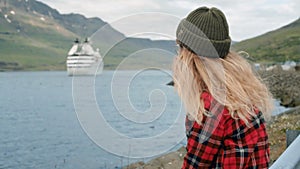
(284, 85)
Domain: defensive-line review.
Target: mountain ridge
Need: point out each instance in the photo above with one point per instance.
(34, 36)
(275, 46)
(43, 36)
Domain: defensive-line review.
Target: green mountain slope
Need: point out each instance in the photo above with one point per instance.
(28, 41)
(276, 46)
(33, 36)
(146, 53)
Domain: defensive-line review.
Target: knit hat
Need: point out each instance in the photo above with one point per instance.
(205, 32)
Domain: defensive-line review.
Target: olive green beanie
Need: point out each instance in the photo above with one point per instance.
(205, 32)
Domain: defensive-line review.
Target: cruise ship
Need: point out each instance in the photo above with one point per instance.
(82, 59)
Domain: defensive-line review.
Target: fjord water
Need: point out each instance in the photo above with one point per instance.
(39, 126)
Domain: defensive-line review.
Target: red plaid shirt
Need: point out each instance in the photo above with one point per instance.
(224, 142)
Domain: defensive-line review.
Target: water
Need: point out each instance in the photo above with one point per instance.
(39, 127)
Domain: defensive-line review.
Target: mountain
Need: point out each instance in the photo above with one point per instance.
(276, 46)
(76, 23)
(34, 36)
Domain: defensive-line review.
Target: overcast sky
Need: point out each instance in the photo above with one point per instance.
(246, 18)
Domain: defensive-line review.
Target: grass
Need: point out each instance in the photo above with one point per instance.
(277, 131)
(276, 46)
(31, 44)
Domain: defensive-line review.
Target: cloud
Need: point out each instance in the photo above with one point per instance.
(246, 18)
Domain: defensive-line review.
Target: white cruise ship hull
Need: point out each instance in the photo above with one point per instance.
(83, 65)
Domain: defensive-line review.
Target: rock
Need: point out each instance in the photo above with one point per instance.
(171, 83)
(296, 101)
(291, 135)
(297, 67)
(286, 101)
(171, 160)
(284, 85)
(137, 165)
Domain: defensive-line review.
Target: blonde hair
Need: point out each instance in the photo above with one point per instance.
(230, 81)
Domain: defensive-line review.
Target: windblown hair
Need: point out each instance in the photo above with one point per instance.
(231, 82)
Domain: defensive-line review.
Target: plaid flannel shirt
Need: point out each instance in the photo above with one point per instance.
(224, 142)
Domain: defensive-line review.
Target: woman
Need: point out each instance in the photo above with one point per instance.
(226, 102)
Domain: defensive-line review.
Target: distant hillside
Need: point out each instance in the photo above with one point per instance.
(276, 46)
(33, 36)
(147, 53)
